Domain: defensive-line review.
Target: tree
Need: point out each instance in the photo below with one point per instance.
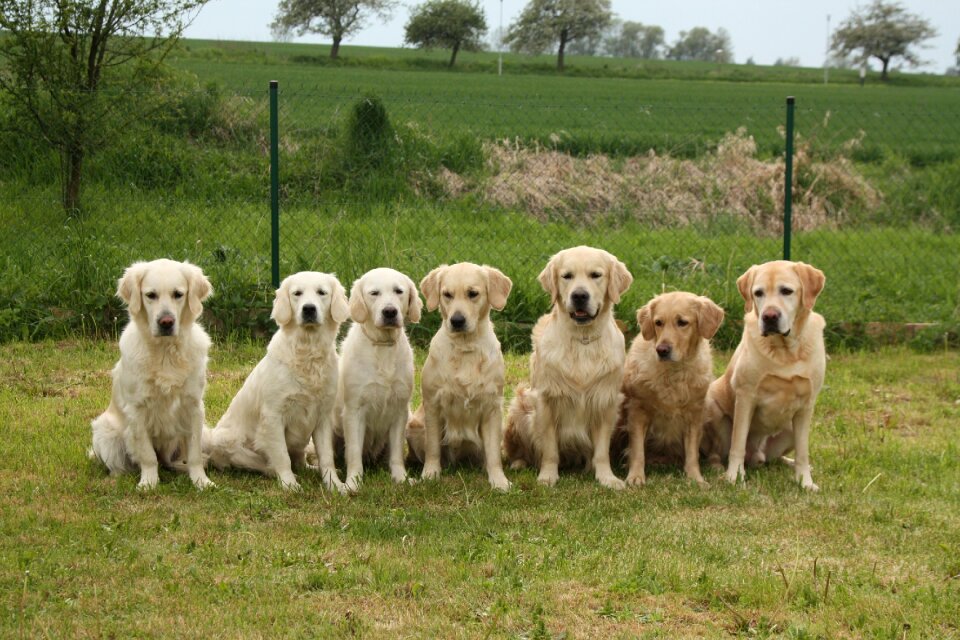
(337, 19)
(701, 44)
(882, 30)
(636, 40)
(450, 24)
(71, 68)
(544, 23)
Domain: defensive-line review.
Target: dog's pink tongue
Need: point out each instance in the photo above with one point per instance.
(580, 314)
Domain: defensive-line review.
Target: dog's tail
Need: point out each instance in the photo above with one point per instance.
(222, 450)
(416, 437)
(108, 444)
(518, 435)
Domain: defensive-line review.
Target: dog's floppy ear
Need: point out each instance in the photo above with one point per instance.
(548, 279)
(358, 306)
(620, 279)
(709, 317)
(339, 308)
(282, 312)
(812, 280)
(414, 304)
(430, 287)
(128, 286)
(645, 320)
(745, 285)
(198, 288)
(498, 287)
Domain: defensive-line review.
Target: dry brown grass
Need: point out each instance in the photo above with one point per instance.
(666, 191)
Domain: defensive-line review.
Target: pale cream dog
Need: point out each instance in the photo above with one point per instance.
(763, 404)
(668, 369)
(376, 372)
(576, 369)
(462, 380)
(289, 396)
(156, 409)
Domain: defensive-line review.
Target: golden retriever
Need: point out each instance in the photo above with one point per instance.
(156, 409)
(763, 404)
(462, 380)
(290, 394)
(376, 373)
(576, 369)
(668, 369)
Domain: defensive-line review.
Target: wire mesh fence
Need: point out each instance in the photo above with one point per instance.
(687, 190)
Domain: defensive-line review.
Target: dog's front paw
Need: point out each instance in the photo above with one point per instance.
(148, 480)
(548, 478)
(353, 483)
(807, 483)
(202, 482)
(431, 471)
(289, 483)
(499, 481)
(735, 472)
(399, 475)
(637, 479)
(611, 482)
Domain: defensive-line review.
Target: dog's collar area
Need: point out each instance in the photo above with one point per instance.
(378, 342)
(588, 338)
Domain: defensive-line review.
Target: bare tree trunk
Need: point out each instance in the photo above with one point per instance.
(335, 49)
(453, 57)
(886, 64)
(563, 45)
(72, 178)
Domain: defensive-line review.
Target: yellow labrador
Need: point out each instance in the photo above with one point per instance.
(289, 396)
(157, 401)
(570, 410)
(376, 372)
(462, 379)
(668, 369)
(762, 406)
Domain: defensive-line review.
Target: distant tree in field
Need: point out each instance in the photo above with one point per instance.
(337, 19)
(701, 44)
(792, 61)
(882, 30)
(72, 70)
(636, 40)
(955, 70)
(544, 24)
(449, 24)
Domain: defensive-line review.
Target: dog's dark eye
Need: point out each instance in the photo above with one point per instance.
(321, 292)
(472, 294)
(596, 274)
(659, 323)
(177, 295)
(398, 291)
(786, 291)
(681, 322)
(566, 276)
(758, 293)
(375, 293)
(297, 294)
(152, 295)
(448, 295)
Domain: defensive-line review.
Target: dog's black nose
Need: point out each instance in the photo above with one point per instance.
(664, 351)
(458, 322)
(309, 312)
(389, 313)
(580, 298)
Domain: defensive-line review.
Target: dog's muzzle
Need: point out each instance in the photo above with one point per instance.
(664, 351)
(166, 323)
(389, 317)
(308, 314)
(458, 322)
(580, 301)
(770, 323)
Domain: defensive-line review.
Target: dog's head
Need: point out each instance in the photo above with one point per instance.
(676, 322)
(465, 292)
(584, 282)
(385, 298)
(781, 293)
(164, 295)
(309, 299)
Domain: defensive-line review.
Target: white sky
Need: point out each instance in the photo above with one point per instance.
(762, 29)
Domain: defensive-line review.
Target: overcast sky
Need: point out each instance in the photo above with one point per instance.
(762, 29)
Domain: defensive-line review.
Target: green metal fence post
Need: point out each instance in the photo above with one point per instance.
(788, 183)
(274, 185)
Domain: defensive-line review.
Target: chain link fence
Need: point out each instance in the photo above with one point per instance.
(687, 191)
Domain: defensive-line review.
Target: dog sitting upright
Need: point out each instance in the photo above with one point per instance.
(461, 414)
(762, 406)
(156, 409)
(668, 369)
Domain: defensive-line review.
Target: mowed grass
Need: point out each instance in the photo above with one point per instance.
(874, 554)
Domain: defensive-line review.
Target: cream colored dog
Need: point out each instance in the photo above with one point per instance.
(576, 370)
(462, 379)
(156, 409)
(668, 369)
(763, 404)
(290, 394)
(376, 372)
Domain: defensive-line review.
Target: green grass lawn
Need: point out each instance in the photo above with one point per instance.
(874, 554)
